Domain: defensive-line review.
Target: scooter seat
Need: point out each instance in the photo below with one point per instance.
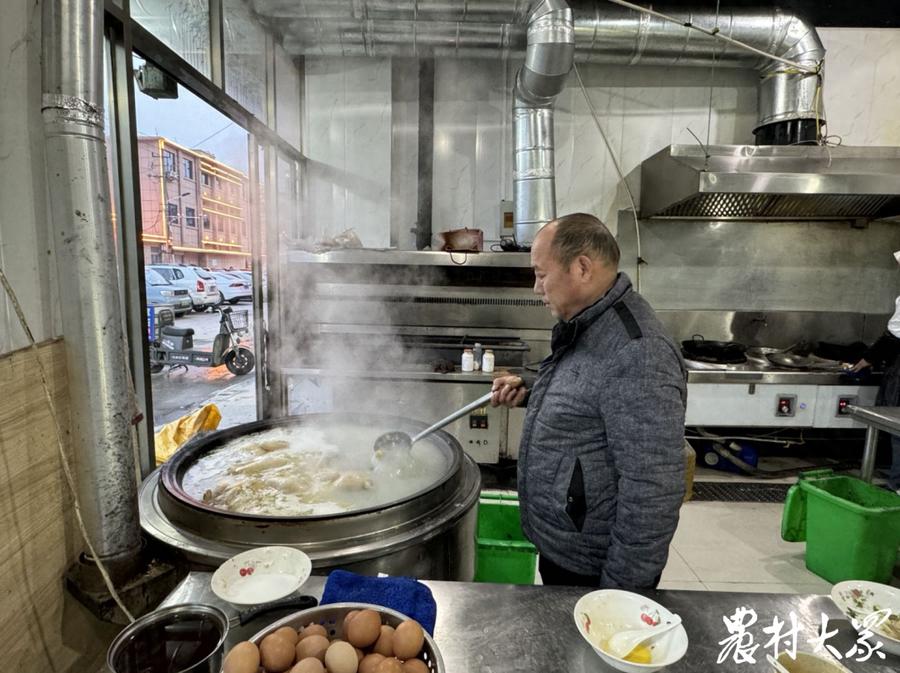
(178, 331)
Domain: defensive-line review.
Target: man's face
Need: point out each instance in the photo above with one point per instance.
(557, 285)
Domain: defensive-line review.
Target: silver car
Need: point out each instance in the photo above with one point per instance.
(200, 284)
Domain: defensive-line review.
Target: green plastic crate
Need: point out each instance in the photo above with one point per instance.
(851, 528)
(504, 555)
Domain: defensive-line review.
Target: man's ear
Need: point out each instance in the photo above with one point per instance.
(585, 266)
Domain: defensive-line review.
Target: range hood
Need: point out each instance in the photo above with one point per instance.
(771, 182)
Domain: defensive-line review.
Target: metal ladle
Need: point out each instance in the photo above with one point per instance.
(392, 441)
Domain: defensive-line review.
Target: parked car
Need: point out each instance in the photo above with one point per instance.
(161, 292)
(232, 287)
(199, 283)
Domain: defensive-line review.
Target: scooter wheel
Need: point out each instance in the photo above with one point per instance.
(240, 362)
(156, 369)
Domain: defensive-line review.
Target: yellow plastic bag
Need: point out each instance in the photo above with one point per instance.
(172, 435)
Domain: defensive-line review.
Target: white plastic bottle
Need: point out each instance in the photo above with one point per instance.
(487, 361)
(468, 360)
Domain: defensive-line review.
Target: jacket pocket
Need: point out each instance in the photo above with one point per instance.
(576, 503)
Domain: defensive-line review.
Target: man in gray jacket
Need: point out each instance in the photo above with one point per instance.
(601, 466)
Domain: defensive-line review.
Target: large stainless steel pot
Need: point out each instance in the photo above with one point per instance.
(429, 534)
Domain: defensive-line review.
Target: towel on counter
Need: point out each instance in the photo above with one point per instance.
(403, 594)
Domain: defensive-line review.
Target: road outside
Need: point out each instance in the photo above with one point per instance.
(178, 392)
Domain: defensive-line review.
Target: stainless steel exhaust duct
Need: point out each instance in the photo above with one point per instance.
(604, 33)
(100, 412)
(548, 60)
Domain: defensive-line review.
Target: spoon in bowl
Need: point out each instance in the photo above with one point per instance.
(621, 644)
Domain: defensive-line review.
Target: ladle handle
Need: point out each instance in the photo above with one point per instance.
(472, 406)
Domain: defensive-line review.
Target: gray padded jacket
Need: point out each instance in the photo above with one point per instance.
(601, 465)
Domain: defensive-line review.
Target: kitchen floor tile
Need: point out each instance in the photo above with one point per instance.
(820, 587)
(739, 542)
(682, 585)
(677, 569)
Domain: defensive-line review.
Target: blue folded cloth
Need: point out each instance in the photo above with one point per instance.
(403, 594)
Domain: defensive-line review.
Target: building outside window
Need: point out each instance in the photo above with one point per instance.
(188, 168)
(190, 217)
(168, 162)
(172, 213)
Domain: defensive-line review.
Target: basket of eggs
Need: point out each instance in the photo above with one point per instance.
(338, 638)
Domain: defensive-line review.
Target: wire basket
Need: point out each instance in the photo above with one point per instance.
(332, 618)
(238, 320)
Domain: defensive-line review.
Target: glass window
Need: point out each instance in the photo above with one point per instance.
(190, 217)
(245, 57)
(187, 168)
(168, 161)
(172, 212)
(183, 25)
(205, 221)
(204, 176)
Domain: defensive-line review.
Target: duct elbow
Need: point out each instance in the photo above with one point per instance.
(549, 54)
(791, 109)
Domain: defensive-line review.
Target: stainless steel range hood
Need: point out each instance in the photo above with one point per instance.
(771, 182)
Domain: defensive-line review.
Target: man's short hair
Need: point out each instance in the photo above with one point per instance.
(583, 234)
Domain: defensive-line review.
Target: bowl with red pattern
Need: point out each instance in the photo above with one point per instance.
(261, 575)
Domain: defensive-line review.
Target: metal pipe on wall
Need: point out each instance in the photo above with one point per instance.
(604, 34)
(548, 60)
(101, 406)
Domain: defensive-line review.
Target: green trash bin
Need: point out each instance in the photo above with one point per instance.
(851, 528)
(504, 555)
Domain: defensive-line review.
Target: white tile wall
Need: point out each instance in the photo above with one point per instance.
(347, 138)
(348, 123)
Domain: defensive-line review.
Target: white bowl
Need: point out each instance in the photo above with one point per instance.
(858, 599)
(261, 575)
(599, 614)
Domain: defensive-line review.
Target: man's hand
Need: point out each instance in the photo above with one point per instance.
(859, 366)
(509, 391)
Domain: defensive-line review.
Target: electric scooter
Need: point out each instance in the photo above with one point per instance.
(174, 347)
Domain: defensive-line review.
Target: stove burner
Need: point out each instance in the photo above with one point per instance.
(723, 359)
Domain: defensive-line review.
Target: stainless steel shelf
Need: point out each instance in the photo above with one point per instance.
(410, 258)
(739, 375)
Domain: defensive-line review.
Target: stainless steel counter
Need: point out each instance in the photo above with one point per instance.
(493, 628)
(886, 419)
(750, 374)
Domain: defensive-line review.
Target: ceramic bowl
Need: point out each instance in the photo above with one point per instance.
(600, 614)
(858, 599)
(261, 575)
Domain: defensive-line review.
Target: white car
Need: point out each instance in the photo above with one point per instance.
(232, 288)
(200, 284)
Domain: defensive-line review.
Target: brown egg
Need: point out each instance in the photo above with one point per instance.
(364, 628)
(341, 658)
(415, 666)
(312, 630)
(370, 662)
(350, 615)
(408, 639)
(392, 665)
(287, 633)
(276, 653)
(385, 643)
(243, 658)
(313, 646)
(308, 665)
